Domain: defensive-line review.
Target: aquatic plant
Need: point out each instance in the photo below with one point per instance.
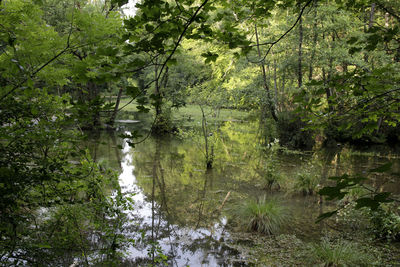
(270, 175)
(339, 253)
(306, 182)
(266, 216)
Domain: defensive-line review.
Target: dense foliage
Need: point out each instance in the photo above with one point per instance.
(312, 71)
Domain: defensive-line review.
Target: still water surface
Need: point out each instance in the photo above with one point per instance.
(183, 211)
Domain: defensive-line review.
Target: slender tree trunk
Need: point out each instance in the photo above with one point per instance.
(386, 20)
(300, 63)
(275, 85)
(328, 92)
(370, 24)
(94, 103)
(115, 111)
(283, 84)
(157, 93)
(209, 154)
(315, 39)
(371, 16)
(269, 100)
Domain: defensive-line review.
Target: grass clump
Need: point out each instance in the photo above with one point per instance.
(266, 216)
(339, 253)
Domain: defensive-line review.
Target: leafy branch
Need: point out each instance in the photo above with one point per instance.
(345, 183)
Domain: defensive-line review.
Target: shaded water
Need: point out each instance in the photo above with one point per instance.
(182, 210)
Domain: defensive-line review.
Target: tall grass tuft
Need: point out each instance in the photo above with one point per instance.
(341, 253)
(266, 216)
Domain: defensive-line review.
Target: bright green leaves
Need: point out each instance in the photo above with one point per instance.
(27, 42)
(172, 62)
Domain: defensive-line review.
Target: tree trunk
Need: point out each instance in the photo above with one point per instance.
(300, 63)
(115, 111)
(327, 89)
(269, 100)
(157, 92)
(94, 104)
(315, 39)
(370, 24)
(209, 152)
(371, 16)
(275, 85)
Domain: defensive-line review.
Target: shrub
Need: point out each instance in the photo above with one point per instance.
(266, 216)
(386, 222)
(269, 173)
(292, 133)
(306, 182)
(351, 218)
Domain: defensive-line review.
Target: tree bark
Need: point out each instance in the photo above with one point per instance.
(94, 103)
(370, 24)
(300, 63)
(275, 85)
(371, 16)
(315, 39)
(269, 100)
(115, 111)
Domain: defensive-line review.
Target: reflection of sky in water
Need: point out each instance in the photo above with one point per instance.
(182, 245)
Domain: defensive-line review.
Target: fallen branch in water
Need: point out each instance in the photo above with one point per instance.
(223, 202)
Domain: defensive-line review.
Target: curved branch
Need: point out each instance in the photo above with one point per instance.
(181, 36)
(286, 33)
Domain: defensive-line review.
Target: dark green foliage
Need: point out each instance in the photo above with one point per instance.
(345, 183)
(53, 197)
(292, 132)
(385, 222)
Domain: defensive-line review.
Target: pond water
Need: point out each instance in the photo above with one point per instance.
(184, 210)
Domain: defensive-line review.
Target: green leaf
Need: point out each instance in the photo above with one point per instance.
(210, 57)
(132, 91)
(367, 202)
(384, 168)
(352, 40)
(383, 197)
(332, 192)
(143, 109)
(172, 62)
(42, 245)
(325, 215)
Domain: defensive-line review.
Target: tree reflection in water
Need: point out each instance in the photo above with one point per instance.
(164, 240)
